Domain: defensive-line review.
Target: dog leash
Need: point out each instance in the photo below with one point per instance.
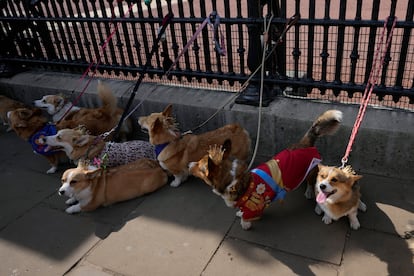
(213, 20)
(98, 61)
(164, 24)
(290, 22)
(372, 81)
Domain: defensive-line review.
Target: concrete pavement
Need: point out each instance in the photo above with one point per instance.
(189, 231)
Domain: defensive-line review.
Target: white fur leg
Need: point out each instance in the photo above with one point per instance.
(318, 210)
(353, 221)
(309, 194)
(326, 219)
(362, 206)
(239, 214)
(246, 225)
(178, 179)
(71, 201)
(52, 170)
(73, 209)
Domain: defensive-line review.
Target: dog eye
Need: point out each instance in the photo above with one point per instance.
(334, 179)
(73, 182)
(58, 137)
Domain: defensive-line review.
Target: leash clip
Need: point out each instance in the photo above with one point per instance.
(344, 160)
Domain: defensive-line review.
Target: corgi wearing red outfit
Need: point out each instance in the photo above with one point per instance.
(252, 191)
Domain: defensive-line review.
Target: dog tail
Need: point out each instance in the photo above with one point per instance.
(326, 124)
(109, 101)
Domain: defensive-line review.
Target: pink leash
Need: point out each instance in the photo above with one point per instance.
(103, 47)
(372, 81)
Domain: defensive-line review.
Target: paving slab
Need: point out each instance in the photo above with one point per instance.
(293, 227)
(374, 253)
(237, 257)
(390, 203)
(85, 268)
(173, 232)
(44, 242)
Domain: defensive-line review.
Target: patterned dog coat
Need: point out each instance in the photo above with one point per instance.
(116, 154)
(271, 180)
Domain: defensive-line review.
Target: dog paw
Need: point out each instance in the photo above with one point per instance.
(239, 214)
(246, 225)
(73, 209)
(326, 219)
(71, 201)
(362, 206)
(175, 183)
(318, 210)
(51, 170)
(354, 224)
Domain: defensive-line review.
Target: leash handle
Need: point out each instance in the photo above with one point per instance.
(165, 22)
(214, 20)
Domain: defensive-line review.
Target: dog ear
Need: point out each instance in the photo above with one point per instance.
(25, 113)
(93, 173)
(167, 111)
(59, 101)
(227, 148)
(81, 141)
(355, 178)
(158, 125)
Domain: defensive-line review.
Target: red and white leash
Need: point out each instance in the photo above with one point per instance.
(372, 81)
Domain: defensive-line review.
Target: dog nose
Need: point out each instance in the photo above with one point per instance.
(322, 187)
(61, 192)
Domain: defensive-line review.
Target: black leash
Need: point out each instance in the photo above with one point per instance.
(165, 22)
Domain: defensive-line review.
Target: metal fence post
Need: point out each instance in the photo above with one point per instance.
(251, 94)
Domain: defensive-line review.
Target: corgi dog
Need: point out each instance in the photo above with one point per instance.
(6, 105)
(30, 125)
(175, 151)
(337, 194)
(77, 144)
(96, 120)
(90, 187)
(252, 191)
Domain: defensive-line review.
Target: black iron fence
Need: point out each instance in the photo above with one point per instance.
(327, 55)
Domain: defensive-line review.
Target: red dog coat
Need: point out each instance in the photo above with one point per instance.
(292, 167)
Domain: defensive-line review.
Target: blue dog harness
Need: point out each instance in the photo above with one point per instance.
(38, 147)
(159, 148)
(279, 191)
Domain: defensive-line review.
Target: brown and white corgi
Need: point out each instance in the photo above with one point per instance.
(96, 120)
(337, 194)
(78, 144)
(90, 187)
(252, 191)
(6, 105)
(30, 125)
(175, 151)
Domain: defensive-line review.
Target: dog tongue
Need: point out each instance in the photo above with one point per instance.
(321, 197)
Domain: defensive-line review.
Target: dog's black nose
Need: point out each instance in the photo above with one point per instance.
(61, 192)
(322, 187)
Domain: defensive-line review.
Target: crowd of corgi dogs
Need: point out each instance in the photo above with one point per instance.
(109, 172)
